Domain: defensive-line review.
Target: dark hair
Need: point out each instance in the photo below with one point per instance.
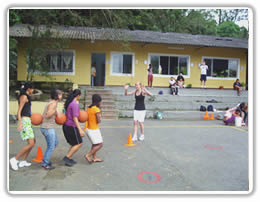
(55, 94)
(241, 105)
(96, 98)
(238, 110)
(25, 87)
(71, 96)
(227, 108)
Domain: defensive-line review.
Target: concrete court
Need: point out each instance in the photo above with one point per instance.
(173, 150)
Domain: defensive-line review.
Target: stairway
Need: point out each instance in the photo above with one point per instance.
(108, 109)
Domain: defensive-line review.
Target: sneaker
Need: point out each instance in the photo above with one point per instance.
(141, 138)
(48, 167)
(73, 162)
(67, 161)
(24, 164)
(14, 163)
(134, 138)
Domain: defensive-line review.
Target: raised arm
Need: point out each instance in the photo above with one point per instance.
(128, 93)
(146, 91)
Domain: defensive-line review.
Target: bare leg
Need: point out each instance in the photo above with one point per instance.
(141, 127)
(28, 152)
(135, 127)
(26, 149)
(93, 152)
(73, 150)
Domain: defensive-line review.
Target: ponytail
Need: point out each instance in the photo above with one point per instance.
(71, 96)
(96, 98)
(25, 87)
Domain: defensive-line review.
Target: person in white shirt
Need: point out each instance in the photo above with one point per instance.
(93, 74)
(173, 86)
(203, 73)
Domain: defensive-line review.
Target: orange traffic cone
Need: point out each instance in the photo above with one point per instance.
(130, 141)
(206, 117)
(211, 117)
(39, 155)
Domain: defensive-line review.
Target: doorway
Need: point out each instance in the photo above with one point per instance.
(98, 61)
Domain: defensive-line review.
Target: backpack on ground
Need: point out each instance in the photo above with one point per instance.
(203, 108)
(210, 108)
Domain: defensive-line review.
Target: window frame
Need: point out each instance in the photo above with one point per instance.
(122, 74)
(60, 73)
(223, 58)
(170, 55)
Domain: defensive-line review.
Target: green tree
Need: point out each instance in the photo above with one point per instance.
(243, 32)
(228, 29)
(233, 15)
(40, 42)
(200, 22)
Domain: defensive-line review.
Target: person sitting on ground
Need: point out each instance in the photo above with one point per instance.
(237, 87)
(181, 83)
(180, 77)
(244, 112)
(173, 86)
(229, 117)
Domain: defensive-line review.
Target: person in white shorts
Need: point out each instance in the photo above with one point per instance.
(139, 111)
(92, 129)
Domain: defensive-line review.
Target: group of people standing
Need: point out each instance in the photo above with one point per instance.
(72, 130)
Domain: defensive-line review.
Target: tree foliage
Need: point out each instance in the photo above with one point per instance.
(193, 21)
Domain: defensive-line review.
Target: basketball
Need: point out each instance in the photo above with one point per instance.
(83, 116)
(36, 118)
(61, 118)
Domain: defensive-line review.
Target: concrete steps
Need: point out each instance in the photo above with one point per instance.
(108, 109)
(173, 115)
(185, 105)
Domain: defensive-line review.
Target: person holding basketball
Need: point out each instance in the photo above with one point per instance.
(71, 129)
(48, 125)
(24, 126)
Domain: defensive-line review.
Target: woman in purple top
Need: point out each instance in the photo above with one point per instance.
(71, 129)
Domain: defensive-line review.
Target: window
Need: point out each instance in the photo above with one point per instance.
(60, 61)
(169, 65)
(222, 68)
(122, 63)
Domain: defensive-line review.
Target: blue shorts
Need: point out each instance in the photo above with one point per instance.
(203, 77)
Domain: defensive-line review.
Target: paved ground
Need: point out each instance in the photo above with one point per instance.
(175, 156)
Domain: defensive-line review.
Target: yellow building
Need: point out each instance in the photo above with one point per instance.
(123, 56)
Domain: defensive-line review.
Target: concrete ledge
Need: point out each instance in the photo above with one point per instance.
(177, 115)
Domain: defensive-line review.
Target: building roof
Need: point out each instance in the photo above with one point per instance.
(92, 33)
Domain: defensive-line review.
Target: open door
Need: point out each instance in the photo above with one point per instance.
(98, 64)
